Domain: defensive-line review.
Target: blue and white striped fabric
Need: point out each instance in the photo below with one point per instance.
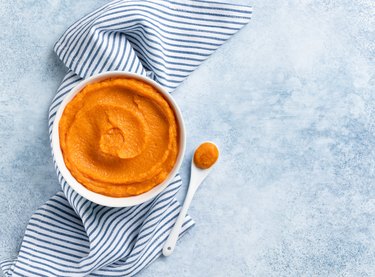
(165, 40)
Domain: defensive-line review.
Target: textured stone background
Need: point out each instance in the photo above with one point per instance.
(291, 102)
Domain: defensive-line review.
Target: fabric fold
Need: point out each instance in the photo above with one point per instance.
(166, 41)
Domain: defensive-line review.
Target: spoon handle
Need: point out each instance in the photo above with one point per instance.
(173, 236)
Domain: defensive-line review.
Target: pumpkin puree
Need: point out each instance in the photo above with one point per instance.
(206, 155)
(119, 137)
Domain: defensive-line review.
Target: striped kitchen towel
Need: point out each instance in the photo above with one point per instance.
(166, 41)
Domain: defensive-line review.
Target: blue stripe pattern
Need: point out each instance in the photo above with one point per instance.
(166, 41)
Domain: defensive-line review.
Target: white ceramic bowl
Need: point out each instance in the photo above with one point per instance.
(103, 199)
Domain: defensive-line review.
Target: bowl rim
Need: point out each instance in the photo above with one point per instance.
(101, 199)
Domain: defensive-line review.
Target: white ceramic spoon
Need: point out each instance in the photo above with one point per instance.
(197, 176)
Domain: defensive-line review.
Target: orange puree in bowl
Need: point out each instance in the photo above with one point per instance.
(206, 155)
(119, 137)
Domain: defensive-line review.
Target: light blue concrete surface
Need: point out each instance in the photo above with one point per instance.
(291, 102)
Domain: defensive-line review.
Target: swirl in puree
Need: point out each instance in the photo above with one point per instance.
(119, 137)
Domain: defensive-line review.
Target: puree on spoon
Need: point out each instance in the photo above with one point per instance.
(206, 155)
(119, 137)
